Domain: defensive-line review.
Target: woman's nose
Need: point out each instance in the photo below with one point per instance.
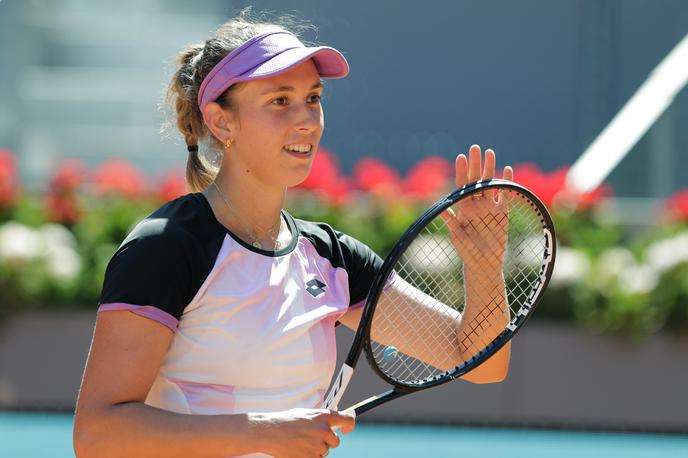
(308, 118)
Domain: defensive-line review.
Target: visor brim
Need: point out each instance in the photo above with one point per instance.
(329, 62)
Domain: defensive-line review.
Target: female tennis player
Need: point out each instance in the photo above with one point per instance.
(215, 331)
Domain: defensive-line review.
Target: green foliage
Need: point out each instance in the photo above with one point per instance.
(29, 211)
(624, 285)
(581, 230)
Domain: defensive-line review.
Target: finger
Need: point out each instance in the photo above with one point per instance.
(452, 222)
(507, 175)
(324, 451)
(448, 214)
(449, 217)
(490, 161)
(461, 166)
(331, 439)
(489, 171)
(474, 163)
(344, 420)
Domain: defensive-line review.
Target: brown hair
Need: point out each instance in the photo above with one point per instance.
(193, 64)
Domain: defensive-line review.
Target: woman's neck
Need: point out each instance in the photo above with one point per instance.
(249, 209)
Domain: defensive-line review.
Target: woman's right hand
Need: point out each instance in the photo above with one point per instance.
(300, 433)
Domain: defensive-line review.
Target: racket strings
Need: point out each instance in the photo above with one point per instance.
(433, 342)
(422, 327)
(474, 338)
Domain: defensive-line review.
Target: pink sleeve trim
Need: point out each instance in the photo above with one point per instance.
(147, 311)
(358, 304)
(391, 279)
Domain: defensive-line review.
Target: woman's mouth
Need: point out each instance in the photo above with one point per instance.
(298, 149)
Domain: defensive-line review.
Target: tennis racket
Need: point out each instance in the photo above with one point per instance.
(456, 287)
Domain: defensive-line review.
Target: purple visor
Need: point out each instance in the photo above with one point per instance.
(267, 55)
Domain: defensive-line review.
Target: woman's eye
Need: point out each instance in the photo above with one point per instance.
(315, 98)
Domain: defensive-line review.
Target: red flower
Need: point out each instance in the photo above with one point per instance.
(551, 188)
(171, 185)
(70, 174)
(375, 176)
(544, 186)
(592, 198)
(119, 177)
(62, 208)
(325, 176)
(677, 205)
(428, 177)
(9, 182)
(61, 202)
(339, 192)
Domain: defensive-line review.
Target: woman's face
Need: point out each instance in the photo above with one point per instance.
(271, 115)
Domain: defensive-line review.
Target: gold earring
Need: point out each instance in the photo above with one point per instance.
(228, 143)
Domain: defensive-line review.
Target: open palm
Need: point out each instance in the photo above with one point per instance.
(479, 225)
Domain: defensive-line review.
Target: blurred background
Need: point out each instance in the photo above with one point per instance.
(604, 361)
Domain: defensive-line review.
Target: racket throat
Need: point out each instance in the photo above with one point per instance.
(375, 401)
(338, 387)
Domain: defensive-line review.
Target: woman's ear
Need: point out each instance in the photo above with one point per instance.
(218, 121)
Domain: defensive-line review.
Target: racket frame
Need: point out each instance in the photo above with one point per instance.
(362, 337)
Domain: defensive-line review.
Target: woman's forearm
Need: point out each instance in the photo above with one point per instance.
(416, 324)
(485, 315)
(484, 318)
(136, 429)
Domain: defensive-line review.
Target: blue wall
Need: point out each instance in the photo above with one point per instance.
(536, 80)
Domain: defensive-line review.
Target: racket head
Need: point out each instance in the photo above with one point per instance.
(527, 266)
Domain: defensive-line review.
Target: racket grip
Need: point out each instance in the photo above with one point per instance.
(338, 387)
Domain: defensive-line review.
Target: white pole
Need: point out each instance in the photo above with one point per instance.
(651, 99)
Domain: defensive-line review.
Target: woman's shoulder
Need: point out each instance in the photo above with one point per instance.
(319, 233)
(177, 223)
(332, 243)
(161, 263)
(165, 258)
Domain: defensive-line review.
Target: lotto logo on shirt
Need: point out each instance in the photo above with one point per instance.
(315, 287)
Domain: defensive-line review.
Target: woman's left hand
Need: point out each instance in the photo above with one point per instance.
(479, 224)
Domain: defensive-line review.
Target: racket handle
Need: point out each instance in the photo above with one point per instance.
(374, 401)
(353, 408)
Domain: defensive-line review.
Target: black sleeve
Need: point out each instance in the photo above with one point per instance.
(361, 263)
(358, 259)
(151, 268)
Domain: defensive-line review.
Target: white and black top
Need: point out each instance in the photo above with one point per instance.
(254, 329)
